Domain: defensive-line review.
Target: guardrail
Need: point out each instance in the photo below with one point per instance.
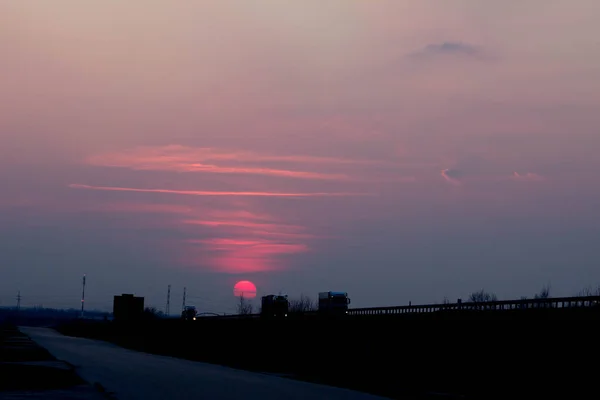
(557, 302)
(228, 316)
(503, 305)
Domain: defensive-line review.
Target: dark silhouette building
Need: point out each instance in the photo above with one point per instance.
(127, 307)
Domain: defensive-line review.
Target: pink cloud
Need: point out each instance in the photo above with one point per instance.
(235, 237)
(288, 235)
(449, 179)
(257, 247)
(238, 256)
(247, 224)
(201, 159)
(143, 208)
(244, 245)
(236, 262)
(234, 240)
(214, 193)
(237, 214)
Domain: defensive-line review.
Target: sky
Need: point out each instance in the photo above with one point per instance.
(398, 150)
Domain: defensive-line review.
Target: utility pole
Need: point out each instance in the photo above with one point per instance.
(83, 296)
(183, 306)
(168, 308)
(19, 300)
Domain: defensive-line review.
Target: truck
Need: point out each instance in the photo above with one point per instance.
(333, 303)
(189, 313)
(274, 306)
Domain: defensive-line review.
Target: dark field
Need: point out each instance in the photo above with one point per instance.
(535, 353)
(27, 371)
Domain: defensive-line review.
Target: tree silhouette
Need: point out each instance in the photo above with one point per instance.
(152, 313)
(589, 291)
(303, 304)
(244, 307)
(543, 294)
(482, 297)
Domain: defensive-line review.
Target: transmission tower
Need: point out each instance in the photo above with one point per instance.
(168, 308)
(183, 306)
(19, 300)
(82, 295)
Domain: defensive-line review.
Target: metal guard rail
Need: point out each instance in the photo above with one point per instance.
(556, 302)
(526, 304)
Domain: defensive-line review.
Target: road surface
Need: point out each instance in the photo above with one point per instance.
(132, 375)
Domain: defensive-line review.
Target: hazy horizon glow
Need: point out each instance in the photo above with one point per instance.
(423, 148)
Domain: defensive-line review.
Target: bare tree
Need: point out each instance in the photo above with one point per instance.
(482, 297)
(244, 307)
(152, 313)
(544, 293)
(589, 291)
(303, 304)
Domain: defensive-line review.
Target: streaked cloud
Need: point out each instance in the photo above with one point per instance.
(209, 160)
(215, 193)
(254, 248)
(243, 241)
(148, 208)
(247, 224)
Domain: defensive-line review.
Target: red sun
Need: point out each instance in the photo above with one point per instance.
(245, 288)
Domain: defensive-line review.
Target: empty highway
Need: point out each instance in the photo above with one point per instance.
(132, 375)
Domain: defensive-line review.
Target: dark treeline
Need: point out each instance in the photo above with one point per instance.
(41, 316)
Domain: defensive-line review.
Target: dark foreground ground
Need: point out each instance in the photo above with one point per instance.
(29, 371)
(132, 375)
(531, 354)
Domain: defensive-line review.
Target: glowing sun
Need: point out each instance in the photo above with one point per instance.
(245, 288)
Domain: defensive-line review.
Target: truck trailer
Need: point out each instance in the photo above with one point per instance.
(274, 306)
(189, 313)
(333, 303)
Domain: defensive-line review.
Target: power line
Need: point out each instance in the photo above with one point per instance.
(83, 296)
(19, 300)
(168, 308)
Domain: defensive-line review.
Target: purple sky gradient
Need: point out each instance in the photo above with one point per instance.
(398, 150)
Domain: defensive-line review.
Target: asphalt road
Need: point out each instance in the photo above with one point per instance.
(132, 375)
